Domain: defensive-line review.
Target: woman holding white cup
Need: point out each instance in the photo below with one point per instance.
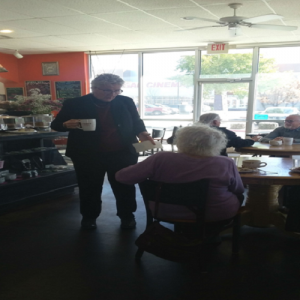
(102, 127)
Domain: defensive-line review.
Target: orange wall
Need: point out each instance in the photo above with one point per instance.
(10, 63)
(73, 66)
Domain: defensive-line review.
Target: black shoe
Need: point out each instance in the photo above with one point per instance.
(88, 224)
(128, 223)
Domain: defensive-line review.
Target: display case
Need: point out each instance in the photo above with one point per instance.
(40, 168)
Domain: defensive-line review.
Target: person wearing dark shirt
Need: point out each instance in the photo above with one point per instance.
(291, 128)
(214, 120)
(108, 149)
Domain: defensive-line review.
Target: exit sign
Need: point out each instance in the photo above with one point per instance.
(217, 48)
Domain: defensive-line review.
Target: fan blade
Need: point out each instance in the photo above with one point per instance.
(274, 27)
(202, 19)
(196, 28)
(263, 18)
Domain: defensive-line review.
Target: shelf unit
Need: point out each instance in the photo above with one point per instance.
(16, 147)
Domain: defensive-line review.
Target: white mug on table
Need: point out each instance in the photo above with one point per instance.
(287, 141)
(253, 164)
(87, 124)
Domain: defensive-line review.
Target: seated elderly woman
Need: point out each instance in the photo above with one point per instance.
(198, 157)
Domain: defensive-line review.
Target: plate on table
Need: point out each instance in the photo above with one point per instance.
(246, 170)
(22, 131)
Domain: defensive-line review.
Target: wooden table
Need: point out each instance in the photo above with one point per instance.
(261, 209)
(267, 149)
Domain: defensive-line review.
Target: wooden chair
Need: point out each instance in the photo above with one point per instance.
(191, 195)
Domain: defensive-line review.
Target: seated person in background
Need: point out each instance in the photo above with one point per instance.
(291, 128)
(197, 158)
(214, 120)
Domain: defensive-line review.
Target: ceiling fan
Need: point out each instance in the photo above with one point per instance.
(235, 22)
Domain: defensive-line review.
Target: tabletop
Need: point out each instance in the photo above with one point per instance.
(267, 149)
(276, 172)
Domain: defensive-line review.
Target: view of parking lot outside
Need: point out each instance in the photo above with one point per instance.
(278, 88)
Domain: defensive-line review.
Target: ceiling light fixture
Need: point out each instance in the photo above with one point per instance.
(18, 55)
(2, 69)
(6, 31)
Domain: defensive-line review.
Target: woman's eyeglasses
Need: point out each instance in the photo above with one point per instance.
(118, 92)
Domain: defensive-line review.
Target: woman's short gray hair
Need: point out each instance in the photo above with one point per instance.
(200, 140)
(107, 78)
(209, 118)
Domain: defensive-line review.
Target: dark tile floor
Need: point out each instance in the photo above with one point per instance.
(45, 256)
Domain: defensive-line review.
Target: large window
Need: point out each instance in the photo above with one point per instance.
(278, 87)
(168, 87)
(235, 64)
(124, 65)
(229, 101)
(253, 90)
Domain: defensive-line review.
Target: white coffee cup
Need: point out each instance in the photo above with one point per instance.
(275, 143)
(287, 141)
(253, 164)
(296, 161)
(87, 124)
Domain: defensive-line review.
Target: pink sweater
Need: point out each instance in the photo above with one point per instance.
(225, 181)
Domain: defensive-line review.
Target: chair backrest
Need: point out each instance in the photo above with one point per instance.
(190, 194)
(158, 134)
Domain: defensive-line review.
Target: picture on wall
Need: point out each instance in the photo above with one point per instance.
(50, 68)
(37, 87)
(12, 92)
(67, 89)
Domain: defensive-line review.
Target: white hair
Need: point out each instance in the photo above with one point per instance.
(209, 118)
(200, 140)
(107, 78)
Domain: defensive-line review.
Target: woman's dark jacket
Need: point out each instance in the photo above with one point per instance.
(124, 114)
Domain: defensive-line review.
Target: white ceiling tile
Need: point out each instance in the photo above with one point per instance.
(20, 33)
(40, 26)
(88, 24)
(135, 20)
(146, 4)
(94, 6)
(36, 8)
(289, 9)
(24, 43)
(89, 39)
(54, 41)
(175, 15)
(7, 15)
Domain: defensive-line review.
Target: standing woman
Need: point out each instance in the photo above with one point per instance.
(108, 149)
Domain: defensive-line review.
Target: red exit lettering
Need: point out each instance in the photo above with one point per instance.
(217, 47)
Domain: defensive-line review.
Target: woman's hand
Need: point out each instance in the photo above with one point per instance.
(256, 138)
(145, 136)
(71, 124)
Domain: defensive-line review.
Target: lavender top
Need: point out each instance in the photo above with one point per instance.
(225, 181)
